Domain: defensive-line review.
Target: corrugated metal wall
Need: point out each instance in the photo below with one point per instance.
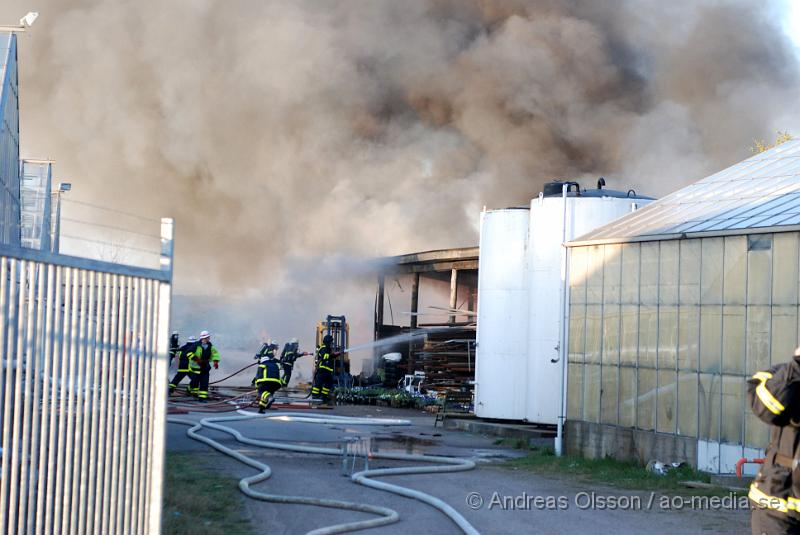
(82, 395)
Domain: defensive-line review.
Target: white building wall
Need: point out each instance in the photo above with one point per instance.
(502, 332)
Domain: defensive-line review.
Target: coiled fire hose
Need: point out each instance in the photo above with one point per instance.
(387, 516)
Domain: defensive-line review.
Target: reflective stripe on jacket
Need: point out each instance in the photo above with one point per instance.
(183, 353)
(268, 371)
(201, 357)
(325, 358)
(774, 398)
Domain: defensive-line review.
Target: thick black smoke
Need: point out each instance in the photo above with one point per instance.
(284, 135)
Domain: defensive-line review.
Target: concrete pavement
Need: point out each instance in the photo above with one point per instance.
(494, 498)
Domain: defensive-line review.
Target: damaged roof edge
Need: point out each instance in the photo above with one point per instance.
(438, 255)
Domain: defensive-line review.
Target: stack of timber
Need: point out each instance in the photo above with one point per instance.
(448, 358)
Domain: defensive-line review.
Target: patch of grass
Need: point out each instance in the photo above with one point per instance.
(199, 501)
(516, 443)
(614, 473)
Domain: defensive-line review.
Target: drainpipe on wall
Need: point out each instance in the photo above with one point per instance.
(562, 338)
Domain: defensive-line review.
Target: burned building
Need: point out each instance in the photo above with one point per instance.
(425, 311)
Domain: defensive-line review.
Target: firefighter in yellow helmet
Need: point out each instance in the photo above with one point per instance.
(774, 397)
(202, 358)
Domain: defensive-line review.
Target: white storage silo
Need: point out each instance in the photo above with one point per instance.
(502, 331)
(585, 211)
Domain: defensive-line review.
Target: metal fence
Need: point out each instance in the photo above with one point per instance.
(83, 347)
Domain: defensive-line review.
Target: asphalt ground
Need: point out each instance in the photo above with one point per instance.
(493, 497)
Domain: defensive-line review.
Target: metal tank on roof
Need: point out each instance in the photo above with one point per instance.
(521, 292)
(502, 345)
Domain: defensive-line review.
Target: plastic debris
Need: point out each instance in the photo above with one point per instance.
(661, 469)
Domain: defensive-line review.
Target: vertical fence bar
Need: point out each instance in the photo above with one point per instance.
(30, 379)
(148, 407)
(123, 436)
(148, 393)
(105, 394)
(160, 406)
(18, 343)
(156, 391)
(42, 491)
(98, 388)
(138, 416)
(79, 388)
(119, 393)
(37, 469)
(132, 405)
(9, 351)
(160, 376)
(109, 481)
(151, 391)
(69, 446)
(55, 396)
(5, 311)
(88, 391)
(133, 426)
(63, 394)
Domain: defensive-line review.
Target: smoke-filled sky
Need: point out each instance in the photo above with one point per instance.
(291, 138)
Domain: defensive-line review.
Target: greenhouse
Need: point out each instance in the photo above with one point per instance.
(674, 306)
(9, 141)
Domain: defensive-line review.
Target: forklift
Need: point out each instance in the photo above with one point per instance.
(337, 327)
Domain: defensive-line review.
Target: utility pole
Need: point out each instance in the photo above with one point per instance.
(63, 187)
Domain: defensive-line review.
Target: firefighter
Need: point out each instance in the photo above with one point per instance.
(203, 357)
(288, 357)
(323, 378)
(774, 396)
(268, 349)
(194, 375)
(184, 370)
(174, 342)
(268, 375)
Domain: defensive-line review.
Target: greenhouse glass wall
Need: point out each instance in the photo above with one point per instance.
(35, 197)
(664, 334)
(9, 141)
(672, 309)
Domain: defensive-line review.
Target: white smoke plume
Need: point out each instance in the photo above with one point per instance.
(285, 135)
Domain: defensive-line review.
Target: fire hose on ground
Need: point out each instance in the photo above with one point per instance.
(231, 375)
(387, 516)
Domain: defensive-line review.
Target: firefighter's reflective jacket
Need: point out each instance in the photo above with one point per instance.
(184, 353)
(325, 358)
(202, 357)
(774, 396)
(268, 371)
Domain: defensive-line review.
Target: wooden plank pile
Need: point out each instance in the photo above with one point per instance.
(447, 357)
